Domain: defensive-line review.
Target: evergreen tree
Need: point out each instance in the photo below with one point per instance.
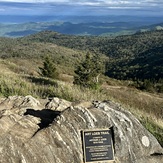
(88, 72)
(49, 69)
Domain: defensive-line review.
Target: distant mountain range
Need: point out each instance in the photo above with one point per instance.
(152, 27)
(14, 26)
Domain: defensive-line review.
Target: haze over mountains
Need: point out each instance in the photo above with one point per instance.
(17, 26)
(88, 17)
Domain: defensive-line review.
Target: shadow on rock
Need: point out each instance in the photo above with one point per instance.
(47, 116)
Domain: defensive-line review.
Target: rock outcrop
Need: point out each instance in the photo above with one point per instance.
(49, 131)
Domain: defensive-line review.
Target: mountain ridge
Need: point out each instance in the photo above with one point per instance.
(91, 27)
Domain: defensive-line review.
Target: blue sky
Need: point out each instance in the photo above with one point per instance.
(81, 7)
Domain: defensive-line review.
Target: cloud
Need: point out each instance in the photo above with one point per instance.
(2, 9)
(79, 6)
(126, 4)
(100, 3)
(36, 1)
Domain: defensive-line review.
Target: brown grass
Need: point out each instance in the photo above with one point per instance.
(145, 106)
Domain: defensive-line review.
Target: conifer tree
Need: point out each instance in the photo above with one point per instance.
(49, 69)
(88, 72)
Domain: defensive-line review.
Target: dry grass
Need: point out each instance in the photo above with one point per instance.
(146, 102)
(145, 106)
(134, 100)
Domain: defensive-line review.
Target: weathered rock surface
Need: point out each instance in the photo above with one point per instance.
(44, 131)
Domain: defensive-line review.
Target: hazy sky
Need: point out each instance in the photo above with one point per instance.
(81, 7)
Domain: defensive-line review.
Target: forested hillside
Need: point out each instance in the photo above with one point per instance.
(146, 65)
(137, 56)
(119, 47)
(15, 49)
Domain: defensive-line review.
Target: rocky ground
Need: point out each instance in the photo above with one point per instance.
(49, 131)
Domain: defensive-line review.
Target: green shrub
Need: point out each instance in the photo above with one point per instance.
(88, 72)
(49, 69)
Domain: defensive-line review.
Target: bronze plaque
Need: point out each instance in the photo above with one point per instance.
(98, 146)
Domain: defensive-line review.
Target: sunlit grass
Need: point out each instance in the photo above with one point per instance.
(145, 106)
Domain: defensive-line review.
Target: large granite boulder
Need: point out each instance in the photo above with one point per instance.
(49, 131)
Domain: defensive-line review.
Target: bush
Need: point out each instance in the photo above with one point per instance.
(88, 72)
(49, 69)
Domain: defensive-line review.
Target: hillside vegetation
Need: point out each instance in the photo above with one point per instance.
(136, 56)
